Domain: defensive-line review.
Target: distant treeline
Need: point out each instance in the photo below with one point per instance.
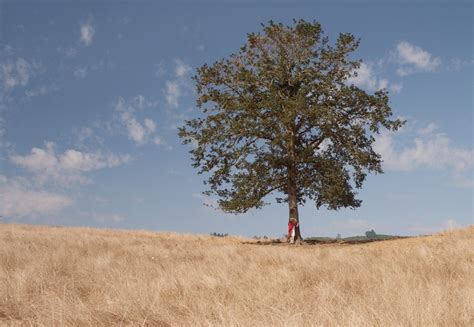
(369, 235)
(219, 234)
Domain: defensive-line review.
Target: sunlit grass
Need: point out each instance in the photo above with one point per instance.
(78, 276)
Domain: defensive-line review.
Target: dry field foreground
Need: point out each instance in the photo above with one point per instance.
(78, 276)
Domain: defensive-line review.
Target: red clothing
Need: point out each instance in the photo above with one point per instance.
(291, 225)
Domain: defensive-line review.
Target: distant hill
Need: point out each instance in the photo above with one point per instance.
(356, 238)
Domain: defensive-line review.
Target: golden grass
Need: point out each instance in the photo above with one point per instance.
(80, 276)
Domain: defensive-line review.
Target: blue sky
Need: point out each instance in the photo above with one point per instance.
(91, 95)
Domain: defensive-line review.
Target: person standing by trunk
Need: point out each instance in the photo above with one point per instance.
(292, 224)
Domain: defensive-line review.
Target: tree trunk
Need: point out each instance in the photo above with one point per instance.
(293, 201)
(292, 182)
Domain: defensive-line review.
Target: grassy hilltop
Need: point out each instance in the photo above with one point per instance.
(79, 276)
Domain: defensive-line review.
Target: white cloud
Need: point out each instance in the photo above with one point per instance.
(429, 150)
(14, 73)
(383, 84)
(181, 69)
(2, 133)
(172, 93)
(80, 72)
(150, 125)
(87, 31)
(20, 200)
(140, 100)
(396, 88)
(136, 131)
(367, 78)
(84, 134)
(41, 90)
(413, 59)
(430, 128)
(158, 141)
(456, 64)
(66, 168)
(176, 88)
(83, 71)
(90, 137)
(70, 52)
(160, 69)
(140, 133)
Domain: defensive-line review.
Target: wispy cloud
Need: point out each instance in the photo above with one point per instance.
(92, 136)
(181, 69)
(413, 59)
(428, 150)
(68, 167)
(363, 77)
(456, 64)
(87, 32)
(15, 73)
(86, 136)
(70, 51)
(141, 132)
(150, 125)
(176, 87)
(428, 129)
(20, 199)
(366, 77)
(160, 69)
(41, 90)
(80, 72)
(172, 93)
(3, 143)
(20, 76)
(396, 87)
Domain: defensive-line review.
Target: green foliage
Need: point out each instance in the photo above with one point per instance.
(354, 238)
(280, 116)
(370, 234)
(264, 237)
(219, 234)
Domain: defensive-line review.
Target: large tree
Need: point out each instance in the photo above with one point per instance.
(280, 115)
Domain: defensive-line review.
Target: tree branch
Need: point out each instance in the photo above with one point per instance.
(273, 189)
(317, 142)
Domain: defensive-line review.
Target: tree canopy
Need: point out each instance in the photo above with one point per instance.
(280, 115)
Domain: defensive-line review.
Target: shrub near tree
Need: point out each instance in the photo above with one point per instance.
(370, 234)
(279, 116)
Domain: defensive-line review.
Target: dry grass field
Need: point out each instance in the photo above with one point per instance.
(79, 276)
